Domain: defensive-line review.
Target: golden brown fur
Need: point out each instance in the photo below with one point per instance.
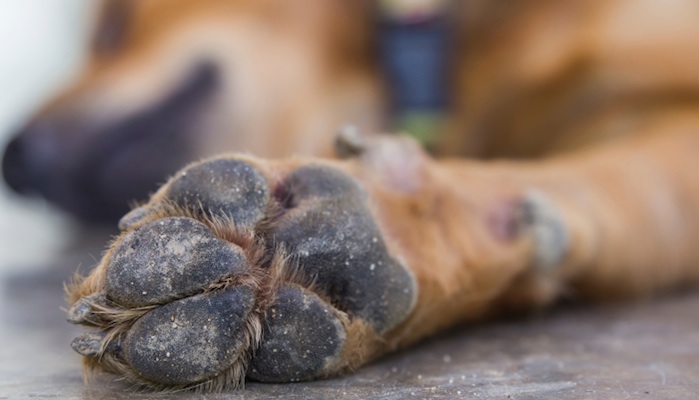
(598, 100)
(542, 77)
(291, 72)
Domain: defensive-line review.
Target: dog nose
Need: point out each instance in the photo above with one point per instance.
(14, 169)
(25, 159)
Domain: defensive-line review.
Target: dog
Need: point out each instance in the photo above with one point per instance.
(295, 268)
(168, 77)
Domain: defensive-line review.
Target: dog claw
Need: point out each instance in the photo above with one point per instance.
(89, 344)
(542, 219)
(349, 142)
(82, 311)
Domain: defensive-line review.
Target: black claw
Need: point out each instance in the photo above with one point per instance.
(303, 339)
(338, 243)
(190, 340)
(223, 187)
(169, 259)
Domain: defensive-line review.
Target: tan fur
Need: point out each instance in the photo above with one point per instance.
(600, 100)
(315, 72)
(630, 209)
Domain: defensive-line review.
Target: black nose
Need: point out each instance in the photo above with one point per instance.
(29, 160)
(14, 168)
(36, 163)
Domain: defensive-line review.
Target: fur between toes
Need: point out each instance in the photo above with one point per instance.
(187, 298)
(107, 350)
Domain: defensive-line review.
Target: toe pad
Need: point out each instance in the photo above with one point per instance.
(303, 338)
(190, 340)
(169, 259)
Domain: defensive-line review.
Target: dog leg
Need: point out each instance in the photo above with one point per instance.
(299, 269)
(617, 221)
(632, 214)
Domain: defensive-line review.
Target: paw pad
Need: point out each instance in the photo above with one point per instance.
(199, 295)
(339, 245)
(304, 337)
(169, 259)
(223, 187)
(190, 340)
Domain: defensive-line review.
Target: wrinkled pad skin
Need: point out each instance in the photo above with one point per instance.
(223, 187)
(337, 243)
(169, 259)
(303, 336)
(189, 340)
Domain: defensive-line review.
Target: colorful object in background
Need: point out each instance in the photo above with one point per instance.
(412, 10)
(414, 42)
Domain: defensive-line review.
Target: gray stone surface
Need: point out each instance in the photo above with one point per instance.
(634, 351)
(638, 351)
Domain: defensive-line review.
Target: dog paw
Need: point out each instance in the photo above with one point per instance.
(237, 268)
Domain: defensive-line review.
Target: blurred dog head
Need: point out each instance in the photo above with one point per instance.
(171, 81)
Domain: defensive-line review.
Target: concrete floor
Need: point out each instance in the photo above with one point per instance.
(635, 351)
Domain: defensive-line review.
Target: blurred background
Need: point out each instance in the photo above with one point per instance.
(42, 45)
(610, 353)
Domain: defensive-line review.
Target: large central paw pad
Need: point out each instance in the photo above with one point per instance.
(228, 273)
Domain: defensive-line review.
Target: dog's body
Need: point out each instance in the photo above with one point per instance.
(594, 102)
(549, 77)
(267, 78)
(186, 80)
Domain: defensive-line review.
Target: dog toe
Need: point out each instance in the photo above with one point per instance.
(304, 338)
(168, 259)
(202, 294)
(222, 187)
(190, 340)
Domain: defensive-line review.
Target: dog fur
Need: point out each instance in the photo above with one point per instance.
(585, 111)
